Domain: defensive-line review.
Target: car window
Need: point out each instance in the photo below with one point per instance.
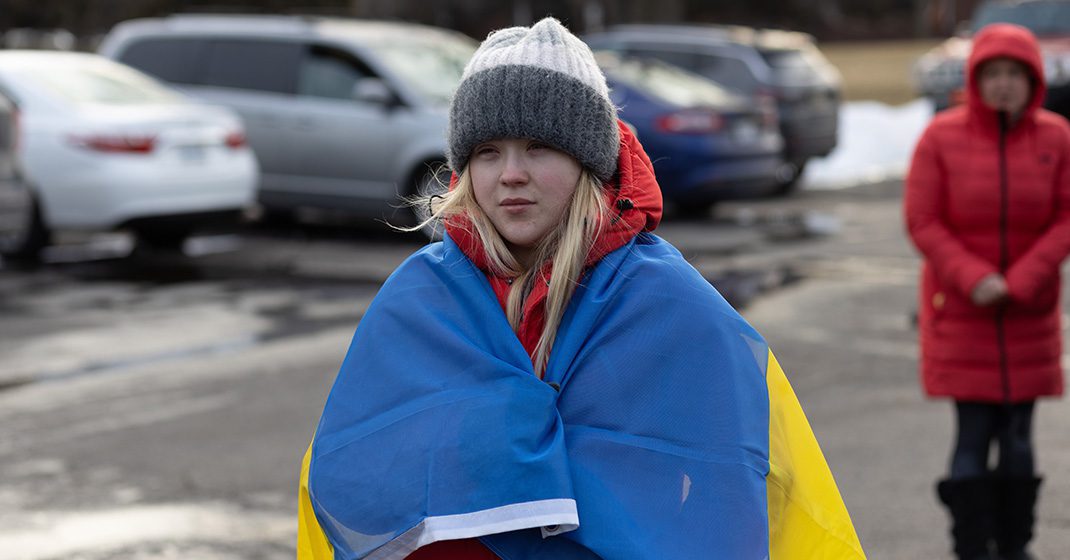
(326, 72)
(85, 80)
(730, 72)
(269, 66)
(171, 60)
(666, 82)
(791, 64)
(1042, 18)
(432, 68)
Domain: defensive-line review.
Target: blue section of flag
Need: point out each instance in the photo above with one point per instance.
(659, 432)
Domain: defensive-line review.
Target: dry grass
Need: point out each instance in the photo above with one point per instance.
(877, 70)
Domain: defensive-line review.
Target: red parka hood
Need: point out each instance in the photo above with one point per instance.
(634, 200)
(1004, 40)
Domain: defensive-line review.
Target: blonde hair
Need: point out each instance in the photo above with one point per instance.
(566, 247)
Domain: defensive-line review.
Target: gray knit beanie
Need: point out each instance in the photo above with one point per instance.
(540, 83)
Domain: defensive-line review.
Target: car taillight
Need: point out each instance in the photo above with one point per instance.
(767, 93)
(235, 139)
(770, 116)
(690, 122)
(116, 143)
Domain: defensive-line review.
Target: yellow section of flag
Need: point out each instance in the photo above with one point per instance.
(807, 517)
(312, 543)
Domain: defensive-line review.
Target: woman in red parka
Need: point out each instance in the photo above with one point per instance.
(988, 205)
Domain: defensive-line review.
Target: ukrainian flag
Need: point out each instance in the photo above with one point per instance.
(663, 428)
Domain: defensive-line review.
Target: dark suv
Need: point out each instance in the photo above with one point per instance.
(939, 74)
(773, 66)
(15, 203)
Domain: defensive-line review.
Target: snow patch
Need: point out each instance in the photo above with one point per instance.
(875, 144)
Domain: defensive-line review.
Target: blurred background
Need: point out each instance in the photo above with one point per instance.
(844, 19)
(196, 201)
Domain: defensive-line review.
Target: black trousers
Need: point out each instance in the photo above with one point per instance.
(979, 424)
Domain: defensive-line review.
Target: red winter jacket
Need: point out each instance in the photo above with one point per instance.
(635, 184)
(980, 201)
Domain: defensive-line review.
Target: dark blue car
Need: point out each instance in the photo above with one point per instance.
(707, 144)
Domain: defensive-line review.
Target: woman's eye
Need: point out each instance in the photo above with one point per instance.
(485, 150)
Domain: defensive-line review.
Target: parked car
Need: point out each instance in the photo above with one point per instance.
(940, 73)
(15, 201)
(105, 147)
(344, 114)
(783, 66)
(706, 143)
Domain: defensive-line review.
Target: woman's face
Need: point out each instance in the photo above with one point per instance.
(524, 187)
(1004, 85)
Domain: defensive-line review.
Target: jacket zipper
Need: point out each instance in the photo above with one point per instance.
(1004, 256)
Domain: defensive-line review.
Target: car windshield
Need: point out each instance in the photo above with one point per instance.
(666, 82)
(433, 68)
(1042, 18)
(89, 81)
(791, 64)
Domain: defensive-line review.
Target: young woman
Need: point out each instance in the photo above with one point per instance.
(988, 205)
(552, 380)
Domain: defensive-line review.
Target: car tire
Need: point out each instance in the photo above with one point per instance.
(790, 178)
(276, 217)
(693, 211)
(28, 247)
(169, 238)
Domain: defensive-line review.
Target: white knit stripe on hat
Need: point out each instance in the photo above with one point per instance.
(548, 45)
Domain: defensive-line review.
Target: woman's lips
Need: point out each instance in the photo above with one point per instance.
(516, 205)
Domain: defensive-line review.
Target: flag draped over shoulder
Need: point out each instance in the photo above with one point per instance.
(663, 427)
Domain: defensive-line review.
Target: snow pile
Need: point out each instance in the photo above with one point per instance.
(875, 144)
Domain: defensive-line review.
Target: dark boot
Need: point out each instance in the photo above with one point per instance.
(1015, 516)
(971, 502)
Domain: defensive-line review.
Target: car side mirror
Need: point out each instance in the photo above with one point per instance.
(374, 91)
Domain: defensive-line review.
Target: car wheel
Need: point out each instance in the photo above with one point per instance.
(283, 218)
(163, 237)
(789, 177)
(693, 210)
(28, 245)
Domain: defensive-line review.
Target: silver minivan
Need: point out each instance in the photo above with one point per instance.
(344, 115)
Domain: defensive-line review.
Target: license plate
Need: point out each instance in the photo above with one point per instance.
(745, 131)
(191, 153)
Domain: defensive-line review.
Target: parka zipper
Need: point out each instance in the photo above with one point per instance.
(1004, 256)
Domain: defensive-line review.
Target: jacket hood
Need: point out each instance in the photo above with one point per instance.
(633, 195)
(1010, 41)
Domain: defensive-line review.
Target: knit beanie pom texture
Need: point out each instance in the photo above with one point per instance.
(540, 83)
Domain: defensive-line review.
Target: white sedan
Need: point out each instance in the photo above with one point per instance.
(106, 147)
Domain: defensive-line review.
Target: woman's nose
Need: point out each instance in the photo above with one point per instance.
(514, 171)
